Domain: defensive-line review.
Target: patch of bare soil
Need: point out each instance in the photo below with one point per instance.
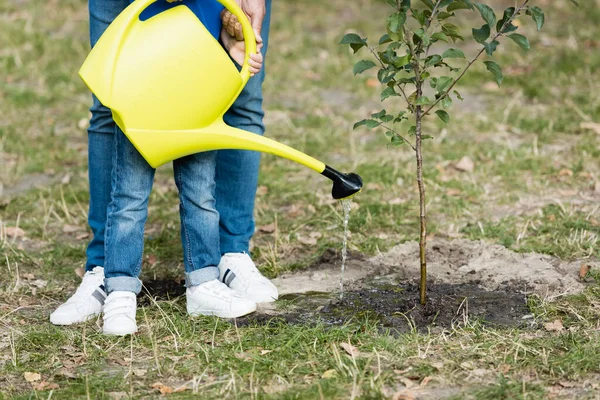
(468, 281)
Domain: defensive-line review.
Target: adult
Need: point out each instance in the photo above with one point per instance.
(236, 180)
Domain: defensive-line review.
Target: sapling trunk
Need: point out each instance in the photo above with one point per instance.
(422, 209)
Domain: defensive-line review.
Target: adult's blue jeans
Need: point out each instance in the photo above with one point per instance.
(236, 170)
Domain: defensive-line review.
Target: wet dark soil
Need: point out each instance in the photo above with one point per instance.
(397, 307)
(160, 289)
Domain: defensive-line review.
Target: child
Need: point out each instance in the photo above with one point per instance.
(131, 184)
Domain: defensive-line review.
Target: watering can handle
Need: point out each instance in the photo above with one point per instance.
(138, 6)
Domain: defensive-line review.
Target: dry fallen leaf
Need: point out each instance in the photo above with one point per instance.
(70, 228)
(28, 277)
(14, 231)
(45, 386)
(82, 236)
(565, 172)
(566, 384)
(269, 228)
(330, 373)
(66, 179)
(83, 123)
(309, 241)
(453, 192)
(426, 380)
(465, 164)
(163, 389)
(32, 376)
(584, 271)
(353, 351)
(262, 190)
(396, 201)
(555, 326)
(504, 368)
(263, 352)
(139, 372)
(593, 126)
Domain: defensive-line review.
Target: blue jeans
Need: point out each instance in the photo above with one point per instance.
(132, 179)
(236, 170)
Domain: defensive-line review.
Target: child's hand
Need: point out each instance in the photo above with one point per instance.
(237, 51)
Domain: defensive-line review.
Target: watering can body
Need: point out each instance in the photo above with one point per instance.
(168, 82)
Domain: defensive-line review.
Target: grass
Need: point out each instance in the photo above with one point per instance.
(533, 188)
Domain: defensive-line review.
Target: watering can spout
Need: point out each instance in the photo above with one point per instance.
(159, 147)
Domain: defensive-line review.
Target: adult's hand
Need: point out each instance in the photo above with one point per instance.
(255, 10)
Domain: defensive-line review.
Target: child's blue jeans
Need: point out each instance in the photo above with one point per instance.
(236, 171)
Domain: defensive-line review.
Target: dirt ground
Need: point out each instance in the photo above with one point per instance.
(468, 281)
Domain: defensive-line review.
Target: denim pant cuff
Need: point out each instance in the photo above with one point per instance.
(123, 283)
(200, 276)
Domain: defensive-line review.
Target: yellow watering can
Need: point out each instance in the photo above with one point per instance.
(168, 82)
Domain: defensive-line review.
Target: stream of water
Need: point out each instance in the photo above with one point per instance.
(347, 205)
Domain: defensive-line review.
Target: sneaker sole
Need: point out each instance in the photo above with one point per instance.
(79, 321)
(222, 314)
(118, 333)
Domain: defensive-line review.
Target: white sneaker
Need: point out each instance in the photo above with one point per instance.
(119, 313)
(86, 303)
(237, 270)
(215, 298)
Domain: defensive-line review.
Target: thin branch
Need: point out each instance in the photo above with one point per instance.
(400, 136)
(464, 71)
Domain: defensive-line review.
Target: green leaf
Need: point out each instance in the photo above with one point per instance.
(439, 36)
(355, 41)
(400, 62)
(371, 123)
(352, 38)
(444, 3)
(520, 40)
(458, 96)
(384, 76)
(359, 123)
(453, 53)
(486, 13)
(422, 101)
(537, 15)
(495, 70)
(428, 3)
(508, 13)
(419, 16)
(443, 116)
(385, 39)
(460, 5)
(379, 114)
(387, 92)
(444, 15)
(396, 21)
(446, 102)
(482, 34)
(424, 137)
(362, 66)
(452, 31)
(490, 48)
(432, 60)
(412, 130)
(575, 2)
(387, 118)
(389, 134)
(392, 3)
(397, 141)
(443, 83)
